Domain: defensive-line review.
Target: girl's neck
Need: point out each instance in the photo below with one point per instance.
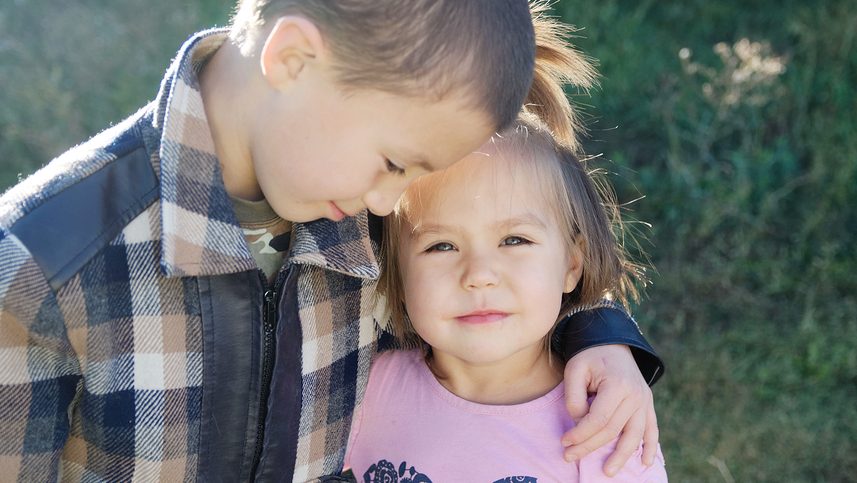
(520, 378)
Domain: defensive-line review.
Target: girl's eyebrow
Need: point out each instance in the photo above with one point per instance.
(527, 219)
(524, 219)
(424, 229)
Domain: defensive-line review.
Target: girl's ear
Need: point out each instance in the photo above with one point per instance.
(575, 265)
(293, 44)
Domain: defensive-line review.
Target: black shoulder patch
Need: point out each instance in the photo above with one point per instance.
(67, 230)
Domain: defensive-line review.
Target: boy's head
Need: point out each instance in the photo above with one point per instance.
(356, 98)
(524, 188)
(482, 50)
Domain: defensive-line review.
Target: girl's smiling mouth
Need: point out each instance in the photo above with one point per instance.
(482, 316)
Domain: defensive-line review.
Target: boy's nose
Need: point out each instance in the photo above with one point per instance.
(379, 203)
(382, 199)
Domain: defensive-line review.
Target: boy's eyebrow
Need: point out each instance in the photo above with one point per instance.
(425, 165)
(421, 162)
(416, 159)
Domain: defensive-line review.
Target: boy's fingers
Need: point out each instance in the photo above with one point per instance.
(604, 430)
(628, 443)
(603, 409)
(576, 391)
(650, 437)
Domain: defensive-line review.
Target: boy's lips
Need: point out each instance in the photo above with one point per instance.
(482, 316)
(336, 213)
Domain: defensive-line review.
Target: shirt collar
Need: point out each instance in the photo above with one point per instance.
(200, 233)
(344, 246)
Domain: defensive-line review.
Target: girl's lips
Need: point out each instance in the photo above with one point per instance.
(482, 317)
(337, 214)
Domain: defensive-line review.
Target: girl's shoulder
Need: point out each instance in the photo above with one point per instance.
(397, 365)
(398, 360)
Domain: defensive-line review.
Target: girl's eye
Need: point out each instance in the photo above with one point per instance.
(393, 168)
(515, 240)
(440, 247)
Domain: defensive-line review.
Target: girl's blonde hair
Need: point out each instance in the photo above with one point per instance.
(544, 139)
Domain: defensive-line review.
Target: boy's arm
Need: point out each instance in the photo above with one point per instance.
(39, 372)
(603, 325)
(607, 355)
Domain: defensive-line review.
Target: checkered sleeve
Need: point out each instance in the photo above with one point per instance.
(39, 372)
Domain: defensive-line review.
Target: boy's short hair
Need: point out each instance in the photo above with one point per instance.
(427, 48)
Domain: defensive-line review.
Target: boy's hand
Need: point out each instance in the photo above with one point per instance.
(622, 404)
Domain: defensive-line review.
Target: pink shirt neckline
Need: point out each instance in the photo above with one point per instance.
(456, 401)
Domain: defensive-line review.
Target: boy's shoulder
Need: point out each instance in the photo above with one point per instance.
(83, 198)
(74, 166)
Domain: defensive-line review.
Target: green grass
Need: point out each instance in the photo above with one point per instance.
(748, 187)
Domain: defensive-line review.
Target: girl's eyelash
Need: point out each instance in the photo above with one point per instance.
(393, 168)
(519, 240)
(436, 247)
(509, 241)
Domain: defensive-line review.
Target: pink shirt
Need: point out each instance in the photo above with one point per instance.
(411, 426)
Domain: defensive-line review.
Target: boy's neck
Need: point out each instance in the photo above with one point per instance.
(517, 379)
(227, 86)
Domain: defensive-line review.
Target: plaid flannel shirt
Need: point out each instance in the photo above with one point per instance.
(101, 353)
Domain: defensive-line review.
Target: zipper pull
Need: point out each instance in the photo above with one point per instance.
(270, 308)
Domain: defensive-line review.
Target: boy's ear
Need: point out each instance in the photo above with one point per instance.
(292, 44)
(575, 265)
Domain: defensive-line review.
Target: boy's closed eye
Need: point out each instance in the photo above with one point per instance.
(393, 167)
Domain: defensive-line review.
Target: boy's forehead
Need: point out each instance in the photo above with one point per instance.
(439, 133)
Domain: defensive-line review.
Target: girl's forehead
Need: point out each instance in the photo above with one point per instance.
(485, 185)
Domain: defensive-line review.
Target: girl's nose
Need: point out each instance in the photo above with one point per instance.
(479, 273)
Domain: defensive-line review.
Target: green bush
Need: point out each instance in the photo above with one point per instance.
(736, 121)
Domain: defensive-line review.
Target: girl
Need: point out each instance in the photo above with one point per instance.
(484, 258)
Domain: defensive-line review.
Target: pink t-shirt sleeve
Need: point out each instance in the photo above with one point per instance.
(634, 471)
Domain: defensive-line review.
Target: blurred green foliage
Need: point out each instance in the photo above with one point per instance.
(69, 68)
(735, 119)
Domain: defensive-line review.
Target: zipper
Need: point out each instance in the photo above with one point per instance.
(269, 323)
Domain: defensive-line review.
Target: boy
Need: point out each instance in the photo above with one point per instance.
(181, 302)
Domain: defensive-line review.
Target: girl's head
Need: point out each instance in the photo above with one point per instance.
(500, 246)
(521, 216)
